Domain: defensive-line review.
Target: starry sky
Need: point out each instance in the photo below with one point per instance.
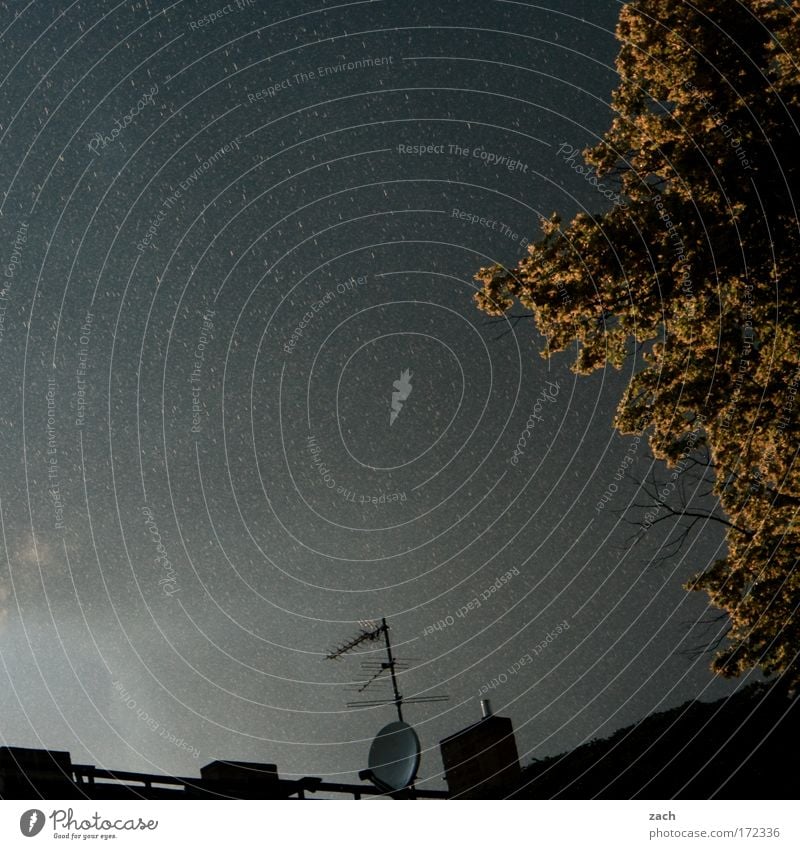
(247, 400)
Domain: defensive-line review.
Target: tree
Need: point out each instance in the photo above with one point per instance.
(696, 265)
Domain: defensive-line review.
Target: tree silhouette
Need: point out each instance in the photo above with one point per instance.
(697, 264)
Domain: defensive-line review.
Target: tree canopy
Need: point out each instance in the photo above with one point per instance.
(697, 263)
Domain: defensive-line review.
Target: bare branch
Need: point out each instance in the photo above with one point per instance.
(508, 319)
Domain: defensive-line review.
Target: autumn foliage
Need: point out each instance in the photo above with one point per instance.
(699, 266)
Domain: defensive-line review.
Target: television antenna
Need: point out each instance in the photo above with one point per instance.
(375, 670)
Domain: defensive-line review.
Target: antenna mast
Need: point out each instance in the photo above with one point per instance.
(398, 699)
(370, 632)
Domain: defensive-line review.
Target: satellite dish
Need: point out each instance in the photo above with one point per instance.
(394, 757)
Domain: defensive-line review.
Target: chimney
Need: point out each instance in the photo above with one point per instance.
(481, 761)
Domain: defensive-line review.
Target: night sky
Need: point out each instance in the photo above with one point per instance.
(227, 232)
